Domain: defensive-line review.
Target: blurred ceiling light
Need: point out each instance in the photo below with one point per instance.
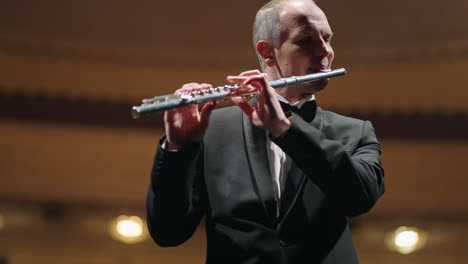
(128, 229)
(406, 240)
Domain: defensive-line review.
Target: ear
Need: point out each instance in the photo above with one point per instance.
(266, 51)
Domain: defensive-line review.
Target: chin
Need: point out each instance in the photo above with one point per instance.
(316, 86)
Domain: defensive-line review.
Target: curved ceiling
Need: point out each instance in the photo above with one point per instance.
(150, 30)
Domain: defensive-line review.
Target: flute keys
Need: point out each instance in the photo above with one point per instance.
(186, 98)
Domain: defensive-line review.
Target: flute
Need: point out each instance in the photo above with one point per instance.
(170, 101)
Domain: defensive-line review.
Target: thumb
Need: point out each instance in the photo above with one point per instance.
(206, 112)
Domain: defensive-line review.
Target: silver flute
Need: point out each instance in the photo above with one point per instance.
(170, 101)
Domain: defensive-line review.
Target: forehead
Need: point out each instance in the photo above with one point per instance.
(303, 14)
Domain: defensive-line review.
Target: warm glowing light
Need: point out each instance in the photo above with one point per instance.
(406, 240)
(128, 229)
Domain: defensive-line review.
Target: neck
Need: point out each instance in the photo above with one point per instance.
(292, 94)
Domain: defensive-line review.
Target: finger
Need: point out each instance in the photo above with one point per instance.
(178, 115)
(236, 79)
(258, 81)
(250, 73)
(243, 74)
(260, 106)
(206, 112)
(258, 77)
(206, 85)
(189, 87)
(243, 105)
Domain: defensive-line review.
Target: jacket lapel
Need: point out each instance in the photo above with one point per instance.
(294, 181)
(257, 156)
(255, 144)
(296, 178)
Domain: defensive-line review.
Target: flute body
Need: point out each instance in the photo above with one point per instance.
(170, 101)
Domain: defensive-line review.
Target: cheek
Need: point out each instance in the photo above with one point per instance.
(292, 57)
(298, 61)
(331, 55)
(301, 55)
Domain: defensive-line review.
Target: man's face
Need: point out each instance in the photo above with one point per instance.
(305, 43)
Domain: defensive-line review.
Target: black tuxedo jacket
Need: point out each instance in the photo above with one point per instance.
(336, 173)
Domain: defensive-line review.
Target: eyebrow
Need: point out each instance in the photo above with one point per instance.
(306, 31)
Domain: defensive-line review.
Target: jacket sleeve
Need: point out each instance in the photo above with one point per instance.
(353, 180)
(176, 195)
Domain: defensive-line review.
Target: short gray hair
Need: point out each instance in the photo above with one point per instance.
(267, 26)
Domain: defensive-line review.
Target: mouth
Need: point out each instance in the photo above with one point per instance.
(318, 70)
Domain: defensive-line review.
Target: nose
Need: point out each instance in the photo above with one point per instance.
(323, 49)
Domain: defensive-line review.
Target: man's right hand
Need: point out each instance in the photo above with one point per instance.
(267, 113)
(186, 125)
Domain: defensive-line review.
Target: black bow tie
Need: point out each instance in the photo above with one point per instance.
(306, 111)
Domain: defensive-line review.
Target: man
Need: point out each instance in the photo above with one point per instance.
(275, 187)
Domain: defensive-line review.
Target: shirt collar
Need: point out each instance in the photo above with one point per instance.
(298, 103)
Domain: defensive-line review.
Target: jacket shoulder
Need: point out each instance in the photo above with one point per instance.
(331, 117)
(337, 126)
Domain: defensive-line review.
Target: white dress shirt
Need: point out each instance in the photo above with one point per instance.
(280, 162)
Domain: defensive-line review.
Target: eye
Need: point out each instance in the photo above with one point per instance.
(305, 41)
(327, 38)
